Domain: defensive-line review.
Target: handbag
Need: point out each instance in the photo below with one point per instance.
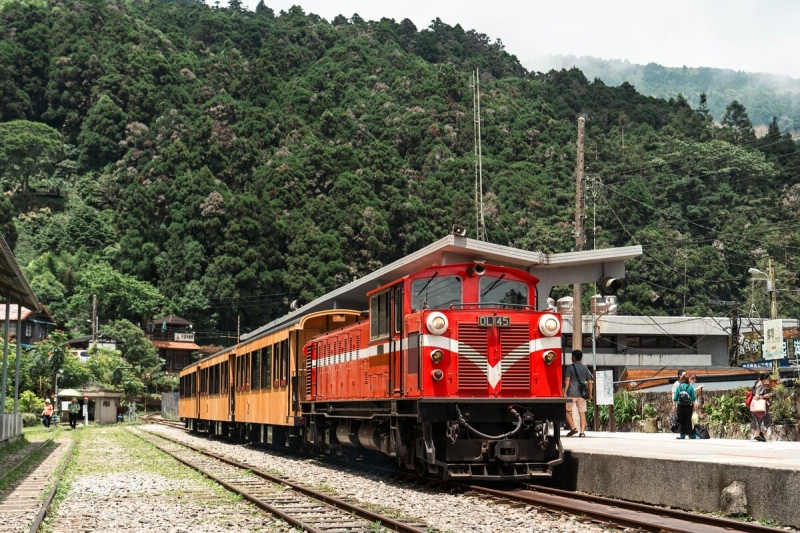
(583, 388)
(674, 425)
(701, 432)
(758, 405)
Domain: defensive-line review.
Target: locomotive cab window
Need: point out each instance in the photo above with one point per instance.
(435, 292)
(504, 293)
(379, 315)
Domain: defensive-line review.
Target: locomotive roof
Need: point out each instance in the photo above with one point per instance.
(551, 269)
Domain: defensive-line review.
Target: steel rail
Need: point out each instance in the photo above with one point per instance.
(625, 513)
(387, 522)
(676, 514)
(53, 488)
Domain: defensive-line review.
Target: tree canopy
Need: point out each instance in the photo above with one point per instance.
(219, 163)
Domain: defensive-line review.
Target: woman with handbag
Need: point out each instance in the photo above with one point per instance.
(759, 406)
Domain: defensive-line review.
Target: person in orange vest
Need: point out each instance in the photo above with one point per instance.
(47, 413)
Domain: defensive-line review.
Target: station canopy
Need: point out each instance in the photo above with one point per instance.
(551, 269)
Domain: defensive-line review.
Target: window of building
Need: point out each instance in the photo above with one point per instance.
(660, 341)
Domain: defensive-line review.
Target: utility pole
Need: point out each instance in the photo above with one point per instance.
(773, 307)
(94, 319)
(580, 239)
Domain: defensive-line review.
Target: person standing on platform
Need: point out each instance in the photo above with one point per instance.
(684, 398)
(759, 406)
(698, 391)
(577, 387)
(47, 414)
(74, 412)
(673, 415)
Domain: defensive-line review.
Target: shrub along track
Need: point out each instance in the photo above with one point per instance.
(298, 505)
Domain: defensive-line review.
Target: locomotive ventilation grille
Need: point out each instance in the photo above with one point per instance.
(513, 344)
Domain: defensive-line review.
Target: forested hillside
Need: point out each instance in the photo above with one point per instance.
(764, 95)
(217, 163)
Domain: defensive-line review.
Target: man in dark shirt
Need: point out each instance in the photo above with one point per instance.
(575, 375)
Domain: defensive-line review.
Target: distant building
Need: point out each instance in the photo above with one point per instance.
(174, 339)
(36, 325)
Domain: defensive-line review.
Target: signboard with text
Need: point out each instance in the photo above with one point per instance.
(605, 387)
(773, 340)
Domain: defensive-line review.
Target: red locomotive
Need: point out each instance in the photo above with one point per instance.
(453, 372)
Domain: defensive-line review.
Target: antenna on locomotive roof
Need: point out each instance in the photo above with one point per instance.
(480, 226)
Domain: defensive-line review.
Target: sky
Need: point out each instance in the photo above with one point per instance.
(747, 35)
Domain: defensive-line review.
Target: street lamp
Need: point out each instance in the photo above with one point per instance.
(595, 321)
(773, 303)
(55, 407)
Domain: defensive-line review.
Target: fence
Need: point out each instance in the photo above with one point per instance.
(169, 405)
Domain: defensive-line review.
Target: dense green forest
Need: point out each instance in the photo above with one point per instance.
(764, 95)
(173, 157)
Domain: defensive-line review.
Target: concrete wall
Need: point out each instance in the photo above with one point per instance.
(771, 493)
(10, 428)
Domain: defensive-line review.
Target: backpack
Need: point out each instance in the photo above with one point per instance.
(683, 397)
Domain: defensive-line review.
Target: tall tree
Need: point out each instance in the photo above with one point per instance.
(28, 151)
(736, 125)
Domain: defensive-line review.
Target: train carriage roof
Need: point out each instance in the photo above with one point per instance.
(551, 269)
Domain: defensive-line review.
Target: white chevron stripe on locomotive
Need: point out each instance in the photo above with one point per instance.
(495, 372)
(446, 343)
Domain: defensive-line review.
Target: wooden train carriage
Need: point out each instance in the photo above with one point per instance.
(250, 389)
(205, 391)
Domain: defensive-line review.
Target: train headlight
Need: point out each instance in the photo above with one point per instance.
(437, 355)
(549, 325)
(437, 323)
(549, 356)
(437, 374)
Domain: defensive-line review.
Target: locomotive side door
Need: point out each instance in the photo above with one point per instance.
(396, 353)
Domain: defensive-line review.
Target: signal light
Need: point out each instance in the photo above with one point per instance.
(609, 286)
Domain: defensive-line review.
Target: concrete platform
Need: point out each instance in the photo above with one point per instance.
(657, 468)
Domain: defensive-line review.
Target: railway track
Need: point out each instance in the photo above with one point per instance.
(597, 509)
(300, 506)
(27, 500)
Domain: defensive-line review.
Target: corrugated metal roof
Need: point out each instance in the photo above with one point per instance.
(173, 345)
(452, 250)
(13, 284)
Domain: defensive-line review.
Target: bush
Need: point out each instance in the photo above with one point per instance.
(729, 410)
(626, 407)
(782, 404)
(30, 403)
(30, 419)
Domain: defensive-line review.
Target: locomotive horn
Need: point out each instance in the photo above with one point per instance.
(476, 270)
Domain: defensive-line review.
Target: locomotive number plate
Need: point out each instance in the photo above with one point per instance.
(489, 321)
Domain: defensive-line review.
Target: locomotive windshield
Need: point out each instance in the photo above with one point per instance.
(435, 292)
(502, 292)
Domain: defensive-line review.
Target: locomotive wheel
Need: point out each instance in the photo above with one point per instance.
(420, 467)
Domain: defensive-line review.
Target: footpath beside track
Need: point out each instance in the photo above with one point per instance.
(25, 502)
(298, 505)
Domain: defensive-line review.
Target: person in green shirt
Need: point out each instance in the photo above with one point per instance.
(74, 411)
